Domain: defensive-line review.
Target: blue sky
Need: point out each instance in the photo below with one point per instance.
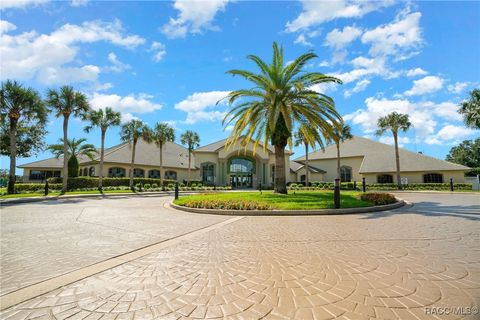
(166, 61)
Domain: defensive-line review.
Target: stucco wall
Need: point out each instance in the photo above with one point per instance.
(313, 176)
(330, 166)
(417, 177)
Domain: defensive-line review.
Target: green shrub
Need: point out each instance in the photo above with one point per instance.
(35, 187)
(73, 167)
(378, 198)
(92, 182)
(147, 186)
(154, 185)
(227, 204)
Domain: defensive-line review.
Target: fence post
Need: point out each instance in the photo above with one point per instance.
(46, 187)
(364, 187)
(336, 194)
(260, 187)
(354, 185)
(451, 184)
(176, 190)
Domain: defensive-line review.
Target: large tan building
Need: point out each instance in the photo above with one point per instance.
(241, 167)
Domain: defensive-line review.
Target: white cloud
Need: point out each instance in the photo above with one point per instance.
(140, 103)
(317, 12)
(159, 51)
(29, 54)
(302, 39)
(6, 26)
(9, 4)
(458, 87)
(416, 72)
(449, 134)
(199, 106)
(339, 39)
(400, 39)
(425, 85)
(193, 17)
(61, 75)
(117, 65)
(78, 3)
(127, 116)
(359, 86)
(389, 140)
(228, 128)
(446, 110)
(366, 67)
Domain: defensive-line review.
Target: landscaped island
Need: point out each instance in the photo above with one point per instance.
(301, 200)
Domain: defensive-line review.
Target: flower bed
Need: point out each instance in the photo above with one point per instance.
(378, 198)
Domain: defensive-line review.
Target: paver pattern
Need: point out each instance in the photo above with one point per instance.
(389, 265)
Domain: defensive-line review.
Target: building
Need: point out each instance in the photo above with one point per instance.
(241, 167)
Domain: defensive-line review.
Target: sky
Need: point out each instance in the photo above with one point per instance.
(166, 61)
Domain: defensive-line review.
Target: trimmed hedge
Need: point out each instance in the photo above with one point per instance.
(36, 187)
(92, 182)
(227, 204)
(378, 198)
(420, 186)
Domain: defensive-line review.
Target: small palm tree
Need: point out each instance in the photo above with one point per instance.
(66, 102)
(162, 133)
(337, 136)
(131, 132)
(471, 110)
(281, 97)
(394, 122)
(192, 141)
(302, 137)
(76, 147)
(102, 119)
(19, 104)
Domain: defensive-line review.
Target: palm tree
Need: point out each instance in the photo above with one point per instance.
(131, 132)
(66, 102)
(337, 136)
(471, 110)
(301, 139)
(19, 104)
(162, 133)
(282, 96)
(192, 141)
(75, 148)
(394, 122)
(102, 119)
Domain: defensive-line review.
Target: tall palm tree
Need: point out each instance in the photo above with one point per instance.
(67, 102)
(192, 141)
(282, 96)
(470, 110)
(301, 139)
(131, 132)
(19, 104)
(102, 119)
(162, 133)
(337, 136)
(394, 122)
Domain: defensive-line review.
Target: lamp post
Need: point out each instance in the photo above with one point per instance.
(364, 187)
(336, 194)
(176, 190)
(451, 184)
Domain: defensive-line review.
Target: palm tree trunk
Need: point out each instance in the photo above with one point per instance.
(102, 153)
(13, 155)
(65, 154)
(161, 165)
(397, 160)
(280, 179)
(306, 165)
(130, 183)
(338, 160)
(189, 161)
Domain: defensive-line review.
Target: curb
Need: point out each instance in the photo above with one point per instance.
(400, 203)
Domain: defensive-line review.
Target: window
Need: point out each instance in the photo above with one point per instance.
(43, 174)
(170, 175)
(345, 174)
(303, 177)
(91, 171)
(208, 173)
(154, 174)
(138, 173)
(385, 178)
(116, 173)
(433, 178)
(242, 165)
(84, 171)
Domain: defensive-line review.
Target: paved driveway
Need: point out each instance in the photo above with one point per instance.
(410, 263)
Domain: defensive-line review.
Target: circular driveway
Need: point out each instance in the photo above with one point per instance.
(410, 263)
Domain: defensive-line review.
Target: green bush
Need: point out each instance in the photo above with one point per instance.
(92, 182)
(154, 185)
(378, 198)
(35, 187)
(73, 167)
(147, 186)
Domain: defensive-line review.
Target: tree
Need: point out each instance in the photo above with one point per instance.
(466, 153)
(22, 107)
(75, 148)
(131, 132)
(66, 102)
(192, 141)
(301, 139)
(394, 122)
(337, 136)
(283, 96)
(162, 133)
(470, 110)
(102, 119)
(30, 138)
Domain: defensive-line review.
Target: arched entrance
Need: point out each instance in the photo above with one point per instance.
(241, 171)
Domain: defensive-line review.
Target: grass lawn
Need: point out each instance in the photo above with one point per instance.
(40, 194)
(293, 201)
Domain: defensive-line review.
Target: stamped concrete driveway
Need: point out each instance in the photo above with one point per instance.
(421, 262)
